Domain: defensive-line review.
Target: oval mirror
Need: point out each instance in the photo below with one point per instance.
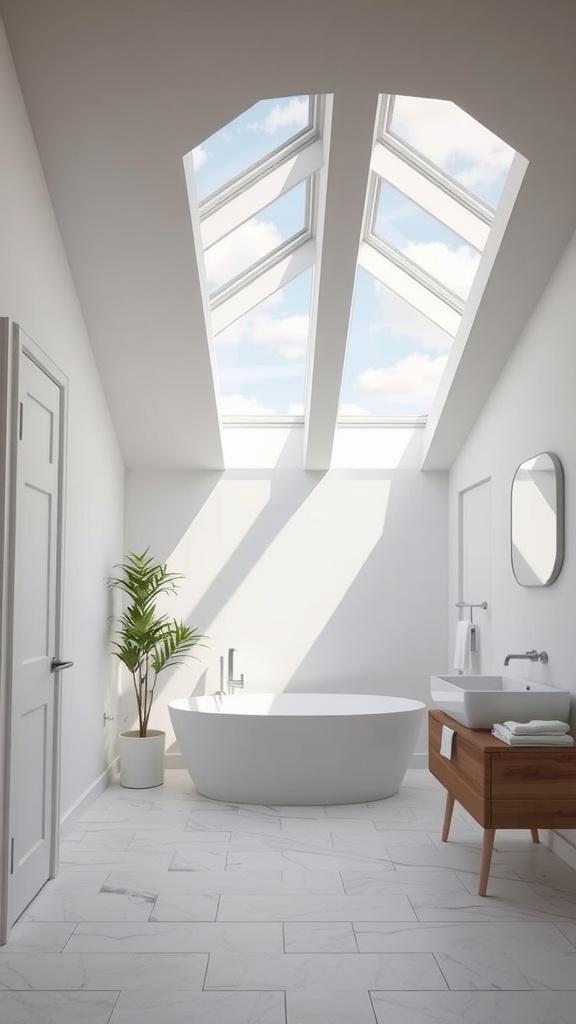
(537, 520)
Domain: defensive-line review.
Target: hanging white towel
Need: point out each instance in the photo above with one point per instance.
(446, 742)
(463, 647)
(537, 727)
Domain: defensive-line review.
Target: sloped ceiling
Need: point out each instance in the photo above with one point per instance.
(119, 90)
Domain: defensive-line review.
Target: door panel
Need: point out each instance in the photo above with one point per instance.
(32, 774)
(32, 739)
(35, 581)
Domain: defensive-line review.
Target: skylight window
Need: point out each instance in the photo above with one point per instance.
(395, 355)
(433, 179)
(436, 176)
(453, 141)
(256, 187)
(424, 240)
(250, 138)
(256, 238)
(261, 357)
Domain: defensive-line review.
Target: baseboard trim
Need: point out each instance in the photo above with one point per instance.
(174, 761)
(83, 803)
(561, 847)
(418, 761)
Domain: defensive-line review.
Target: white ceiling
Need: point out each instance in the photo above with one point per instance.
(119, 90)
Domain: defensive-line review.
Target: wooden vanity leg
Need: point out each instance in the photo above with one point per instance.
(534, 834)
(447, 816)
(487, 845)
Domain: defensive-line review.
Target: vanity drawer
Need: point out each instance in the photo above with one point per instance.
(536, 771)
(534, 785)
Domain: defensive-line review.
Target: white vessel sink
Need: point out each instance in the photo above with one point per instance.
(480, 701)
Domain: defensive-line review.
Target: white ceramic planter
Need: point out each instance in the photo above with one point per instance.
(141, 759)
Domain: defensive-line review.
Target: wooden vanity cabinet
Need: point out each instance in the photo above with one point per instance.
(502, 786)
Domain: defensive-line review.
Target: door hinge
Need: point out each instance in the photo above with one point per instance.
(12, 856)
(21, 420)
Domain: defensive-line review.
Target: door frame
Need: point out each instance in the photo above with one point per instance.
(14, 345)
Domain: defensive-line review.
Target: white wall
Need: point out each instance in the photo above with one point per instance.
(331, 581)
(37, 292)
(532, 409)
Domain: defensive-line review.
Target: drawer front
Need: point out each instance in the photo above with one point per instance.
(535, 773)
(465, 775)
(536, 813)
(534, 787)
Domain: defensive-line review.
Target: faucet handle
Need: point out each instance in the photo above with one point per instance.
(535, 655)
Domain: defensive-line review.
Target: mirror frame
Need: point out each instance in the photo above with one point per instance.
(559, 481)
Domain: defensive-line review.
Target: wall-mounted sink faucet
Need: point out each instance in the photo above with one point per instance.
(527, 656)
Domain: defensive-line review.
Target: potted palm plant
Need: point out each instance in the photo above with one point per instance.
(147, 643)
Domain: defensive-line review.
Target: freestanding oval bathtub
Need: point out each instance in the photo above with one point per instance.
(296, 748)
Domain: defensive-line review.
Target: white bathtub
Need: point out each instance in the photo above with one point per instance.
(296, 748)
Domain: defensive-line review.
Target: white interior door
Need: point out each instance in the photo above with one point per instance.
(32, 741)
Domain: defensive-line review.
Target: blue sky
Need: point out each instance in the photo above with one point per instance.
(395, 355)
(247, 139)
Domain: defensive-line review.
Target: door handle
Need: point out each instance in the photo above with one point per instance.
(56, 665)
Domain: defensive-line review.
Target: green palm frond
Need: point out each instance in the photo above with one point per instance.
(146, 641)
(176, 642)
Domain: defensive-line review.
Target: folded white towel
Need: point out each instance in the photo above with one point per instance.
(463, 647)
(536, 740)
(537, 726)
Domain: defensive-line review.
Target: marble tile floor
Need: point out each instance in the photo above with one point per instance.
(170, 908)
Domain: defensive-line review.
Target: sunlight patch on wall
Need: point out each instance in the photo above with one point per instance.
(292, 590)
(262, 447)
(217, 533)
(377, 447)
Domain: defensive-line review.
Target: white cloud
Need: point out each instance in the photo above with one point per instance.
(240, 329)
(240, 249)
(296, 409)
(291, 352)
(454, 268)
(199, 157)
(402, 321)
(349, 409)
(447, 134)
(234, 375)
(286, 335)
(293, 114)
(240, 405)
(233, 334)
(417, 376)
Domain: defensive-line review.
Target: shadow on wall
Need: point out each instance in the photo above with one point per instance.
(171, 511)
(327, 581)
(388, 631)
(170, 508)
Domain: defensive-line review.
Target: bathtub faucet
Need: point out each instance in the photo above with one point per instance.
(232, 682)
